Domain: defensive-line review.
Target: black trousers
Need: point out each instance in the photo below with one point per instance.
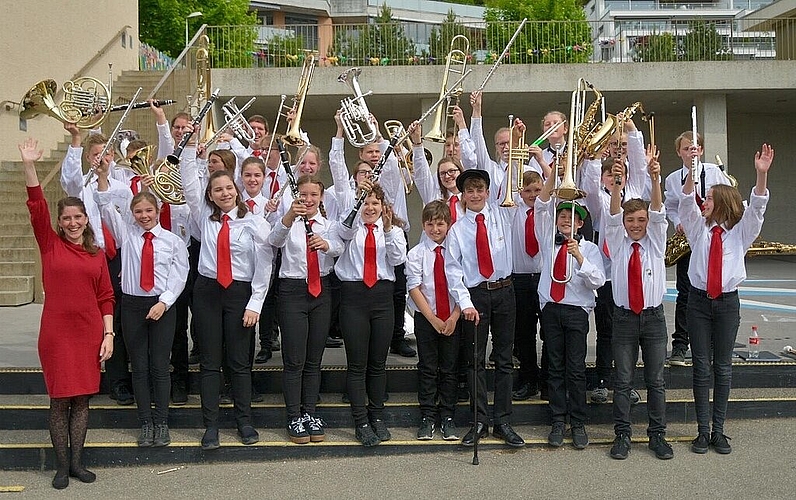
(497, 311)
(366, 319)
(680, 335)
(565, 328)
(603, 320)
(304, 321)
(436, 369)
(219, 326)
(116, 366)
(269, 316)
(148, 345)
(179, 347)
(528, 314)
(334, 289)
(399, 303)
(194, 249)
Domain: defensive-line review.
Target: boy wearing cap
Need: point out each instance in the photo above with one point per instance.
(478, 266)
(566, 303)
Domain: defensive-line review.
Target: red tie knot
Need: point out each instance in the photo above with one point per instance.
(636, 245)
(148, 236)
(479, 218)
(225, 218)
(717, 230)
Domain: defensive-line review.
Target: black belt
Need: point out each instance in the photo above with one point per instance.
(495, 285)
(646, 310)
(703, 293)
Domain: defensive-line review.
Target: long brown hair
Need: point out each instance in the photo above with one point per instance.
(456, 163)
(727, 206)
(89, 240)
(227, 157)
(216, 215)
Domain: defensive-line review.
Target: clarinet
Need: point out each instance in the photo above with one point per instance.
(174, 158)
(141, 105)
(291, 180)
(349, 221)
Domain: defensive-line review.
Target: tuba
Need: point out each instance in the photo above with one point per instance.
(355, 116)
(455, 63)
(293, 135)
(85, 102)
(518, 156)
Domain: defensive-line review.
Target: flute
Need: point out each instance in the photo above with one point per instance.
(291, 181)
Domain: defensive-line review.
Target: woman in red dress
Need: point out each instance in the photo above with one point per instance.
(79, 304)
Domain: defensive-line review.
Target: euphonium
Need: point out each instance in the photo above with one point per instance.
(676, 248)
(355, 116)
(518, 156)
(456, 63)
(85, 102)
(293, 135)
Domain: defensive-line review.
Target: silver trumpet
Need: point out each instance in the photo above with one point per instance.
(355, 116)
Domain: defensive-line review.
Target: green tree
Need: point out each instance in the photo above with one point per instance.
(703, 42)
(383, 42)
(655, 48)
(557, 31)
(161, 23)
(439, 41)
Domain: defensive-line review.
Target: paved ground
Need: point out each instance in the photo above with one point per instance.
(761, 467)
(768, 299)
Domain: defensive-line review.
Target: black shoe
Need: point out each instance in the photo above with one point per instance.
(248, 435)
(257, 397)
(380, 428)
(621, 447)
(662, 449)
(263, 356)
(61, 480)
(720, 444)
(580, 439)
(147, 436)
(162, 436)
(492, 357)
(123, 396)
(469, 438)
(193, 358)
(345, 398)
(366, 436)
(314, 427)
(225, 398)
(507, 434)
(297, 432)
(403, 349)
(701, 443)
(543, 395)
(333, 343)
(426, 430)
(179, 394)
(556, 436)
(462, 392)
(275, 344)
(448, 428)
(525, 392)
(210, 439)
(83, 475)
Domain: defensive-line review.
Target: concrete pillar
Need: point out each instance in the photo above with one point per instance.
(712, 123)
(279, 19)
(325, 39)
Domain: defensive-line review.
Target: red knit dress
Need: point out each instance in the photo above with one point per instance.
(78, 293)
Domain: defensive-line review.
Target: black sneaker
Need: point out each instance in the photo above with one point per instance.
(621, 447)
(380, 428)
(314, 427)
(276, 345)
(225, 398)
(366, 436)
(580, 439)
(662, 449)
(556, 436)
(257, 397)
(162, 436)
(147, 436)
(701, 443)
(426, 430)
(403, 349)
(123, 396)
(448, 428)
(210, 439)
(678, 357)
(297, 432)
(526, 391)
(179, 394)
(248, 435)
(720, 443)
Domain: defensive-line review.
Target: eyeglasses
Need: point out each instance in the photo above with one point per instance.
(449, 173)
(502, 144)
(615, 144)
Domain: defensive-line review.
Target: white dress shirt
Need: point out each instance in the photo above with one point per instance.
(586, 277)
(427, 183)
(390, 251)
(653, 250)
(523, 263)
(735, 241)
(675, 181)
(259, 202)
(420, 273)
(293, 241)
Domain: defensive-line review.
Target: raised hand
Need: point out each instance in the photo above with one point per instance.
(29, 150)
(763, 158)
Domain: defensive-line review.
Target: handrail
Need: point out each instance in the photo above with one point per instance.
(177, 61)
(101, 52)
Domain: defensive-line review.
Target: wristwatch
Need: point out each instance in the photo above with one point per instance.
(112, 334)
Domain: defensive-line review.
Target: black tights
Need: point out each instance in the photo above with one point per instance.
(68, 425)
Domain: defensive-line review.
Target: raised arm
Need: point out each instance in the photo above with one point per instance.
(763, 159)
(654, 171)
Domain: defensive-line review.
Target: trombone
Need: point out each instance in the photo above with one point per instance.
(292, 136)
(455, 63)
(518, 157)
(355, 112)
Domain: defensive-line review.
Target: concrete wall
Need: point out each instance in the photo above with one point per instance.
(54, 39)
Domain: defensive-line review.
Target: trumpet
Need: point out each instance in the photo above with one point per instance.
(455, 63)
(406, 165)
(518, 156)
(235, 121)
(85, 102)
(293, 135)
(355, 116)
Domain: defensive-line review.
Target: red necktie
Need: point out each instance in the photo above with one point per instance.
(531, 243)
(257, 153)
(370, 275)
(557, 290)
(250, 203)
(134, 184)
(441, 286)
(605, 249)
(714, 263)
(223, 257)
(148, 263)
(274, 184)
(110, 243)
(635, 289)
(165, 216)
(313, 270)
(452, 202)
(485, 266)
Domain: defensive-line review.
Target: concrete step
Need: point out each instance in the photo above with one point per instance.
(17, 254)
(43, 167)
(16, 298)
(15, 283)
(18, 241)
(19, 268)
(17, 223)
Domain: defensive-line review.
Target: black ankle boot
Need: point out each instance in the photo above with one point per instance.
(83, 475)
(61, 480)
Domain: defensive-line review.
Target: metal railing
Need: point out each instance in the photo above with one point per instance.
(410, 43)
